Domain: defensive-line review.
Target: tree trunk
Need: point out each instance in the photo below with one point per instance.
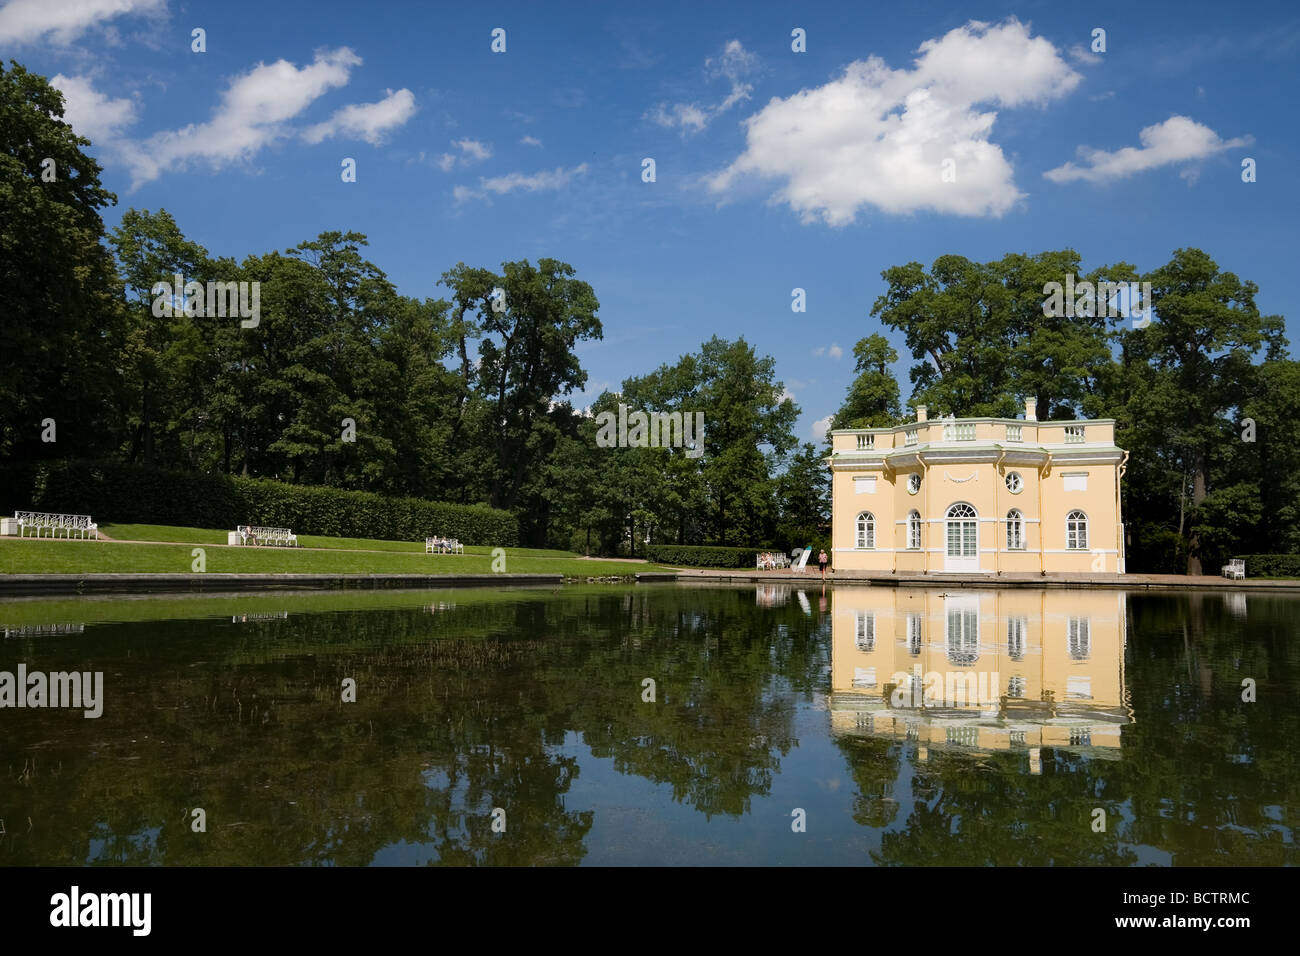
(1198, 496)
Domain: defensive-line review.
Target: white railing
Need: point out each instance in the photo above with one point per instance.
(1013, 433)
(909, 437)
(1073, 434)
(443, 546)
(959, 431)
(866, 442)
(256, 535)
(41, 521)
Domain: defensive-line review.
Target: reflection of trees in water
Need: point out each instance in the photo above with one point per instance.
(455, 714)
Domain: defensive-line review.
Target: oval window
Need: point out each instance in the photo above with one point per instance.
(1014, 483)
(913, 484)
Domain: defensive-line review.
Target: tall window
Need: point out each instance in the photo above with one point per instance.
(1076, 531)
(914, 634)
(866, 530)
(914, 530)
(1016, 638)
(1015, 530)
(1080, 638)
(963, 531)
(866, 632)
(963, 631)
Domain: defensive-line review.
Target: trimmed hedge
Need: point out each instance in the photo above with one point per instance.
(1271, 565)
(135, 494)
(701, 556)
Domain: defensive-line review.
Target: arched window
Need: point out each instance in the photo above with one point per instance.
(963, 531)
(866, 530)
(1015, 530)
(1076, 531)
(914, 530)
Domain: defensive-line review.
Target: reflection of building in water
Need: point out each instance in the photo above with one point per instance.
(989, 670)
(440, 606)
(34, 630)
(260, 616)
(771, 595)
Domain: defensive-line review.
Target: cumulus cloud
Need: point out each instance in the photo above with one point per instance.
(366, 121)
(1176, 140)
(879, 137)
(733, 64)
(557, 178)
(92, 114)
(821, 427)
(831, 351)
(254, 112)
(28, 21)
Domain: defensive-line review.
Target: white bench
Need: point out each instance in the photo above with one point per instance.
(253, 534)
(1235, 568)
(443, 546)
(39, 521)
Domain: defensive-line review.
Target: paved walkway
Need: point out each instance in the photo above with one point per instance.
(1128, 582)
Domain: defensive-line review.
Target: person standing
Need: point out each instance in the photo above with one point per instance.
(821, 562)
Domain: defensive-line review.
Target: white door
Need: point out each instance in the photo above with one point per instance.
(962, 548)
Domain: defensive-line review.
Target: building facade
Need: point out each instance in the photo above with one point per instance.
(978, 495)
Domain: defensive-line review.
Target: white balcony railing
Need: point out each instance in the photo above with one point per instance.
(1013, 433)
(866, 442)
(1074, 434)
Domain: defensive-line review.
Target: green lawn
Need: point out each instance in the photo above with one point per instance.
(162, 532)
(29, 556)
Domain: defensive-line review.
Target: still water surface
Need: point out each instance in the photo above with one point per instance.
(908, 726)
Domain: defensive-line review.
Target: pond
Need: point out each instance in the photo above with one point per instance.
(657, 724)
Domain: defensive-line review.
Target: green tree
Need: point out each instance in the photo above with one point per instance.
(60, 319)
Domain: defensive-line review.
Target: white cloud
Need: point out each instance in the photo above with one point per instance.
(733, 64)
(530, 141)
(831, 351)
(98, 117)
(26, 21)
(878, 137)
(1081, 54)
(534, 182)
(254, 112)
(1176, 140)
(471, 151)
(821, 427)
(785, 393)
(367, 121)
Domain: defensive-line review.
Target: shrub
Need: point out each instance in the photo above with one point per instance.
(136, 494)
(1271, 565)
(701, 556)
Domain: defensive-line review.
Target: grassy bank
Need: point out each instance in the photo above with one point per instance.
(317, 556)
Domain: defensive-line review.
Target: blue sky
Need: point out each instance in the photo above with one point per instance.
(774, 169)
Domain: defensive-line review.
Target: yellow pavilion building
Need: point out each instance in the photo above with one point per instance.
(978, 496)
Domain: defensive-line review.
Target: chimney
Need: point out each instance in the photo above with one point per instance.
(1031, 409)
(920, 413)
